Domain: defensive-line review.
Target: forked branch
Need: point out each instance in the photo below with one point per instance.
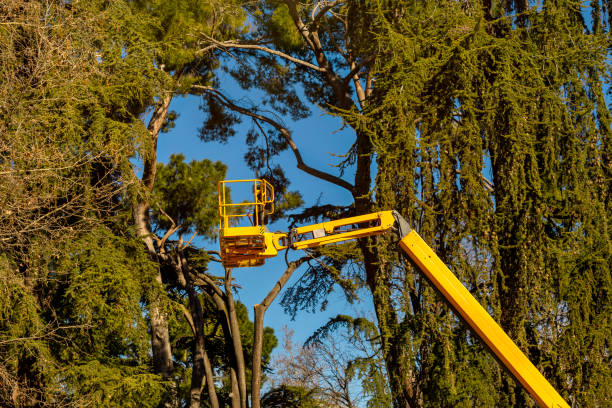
(316, 17)
(259, 311)
(283, 131)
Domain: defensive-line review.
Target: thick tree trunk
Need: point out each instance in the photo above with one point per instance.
(198, 373)
(401, 376)
(260, 311)
(220, 301)
(160, 340)
(510, 278)
(201, 369)
(210, 382)
(235, 390)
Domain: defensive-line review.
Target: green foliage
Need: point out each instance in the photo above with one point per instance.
(508, 91)
(179, 29)
(72, 286)
(78, 332)
(72, 131)
(106, 342)
(513, 91)
(338, 269)
(286, 396)
(104, 296)
(281, 27)
(107, 386)
(22, 343)
(463, 96)
(185, 195)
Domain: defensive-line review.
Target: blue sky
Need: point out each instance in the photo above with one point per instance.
(318, 139)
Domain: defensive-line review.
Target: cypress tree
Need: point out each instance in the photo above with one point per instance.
(514, 93)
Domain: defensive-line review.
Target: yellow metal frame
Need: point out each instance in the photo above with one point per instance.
(262, 204)
(242, 246)
(356, 227)
(250, 246)
(481, 322)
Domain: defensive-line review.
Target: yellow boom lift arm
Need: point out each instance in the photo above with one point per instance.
(250, 245)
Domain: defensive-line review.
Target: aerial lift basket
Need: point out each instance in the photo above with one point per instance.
(242, 225)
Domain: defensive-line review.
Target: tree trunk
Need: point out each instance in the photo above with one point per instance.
(401, 377)
(160, 339)
(198, 373)
(235, 390)
(260, 311)
(210, 382)
(240, 366)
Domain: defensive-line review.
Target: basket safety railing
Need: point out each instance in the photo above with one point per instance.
(262, 204)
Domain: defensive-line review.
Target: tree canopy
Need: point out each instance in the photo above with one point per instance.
(485, 124)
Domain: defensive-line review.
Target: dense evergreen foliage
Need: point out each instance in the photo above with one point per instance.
(73, 330)
(484, 123)
(519, 98)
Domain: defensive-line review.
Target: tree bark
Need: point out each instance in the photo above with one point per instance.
(201, 368)
(160, 339)
(260, 311)
(235, 390)
(401, 378)
(236, 340)
(210, 382)
(198, 373)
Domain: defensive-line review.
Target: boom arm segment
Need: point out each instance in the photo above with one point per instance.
(251, 245)
(341, 230)
(481, 322)
(451, 289)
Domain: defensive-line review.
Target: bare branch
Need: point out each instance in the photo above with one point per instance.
(299, 23)
(357, 67)
(201, 279)
(233, 44)
(284, 132)
(369, 85)
(207, 48)
(282, 281)
(316, 18)
(259, 311)
(86, 159)
(168, 234)
(312, 39)
(190, 239)
(188, 317)
(354, 75)
(488, 184)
